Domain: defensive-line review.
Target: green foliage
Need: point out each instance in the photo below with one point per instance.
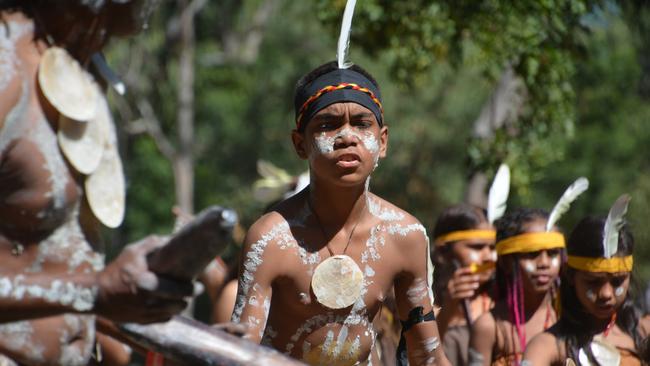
(436, 68)
(540, 39)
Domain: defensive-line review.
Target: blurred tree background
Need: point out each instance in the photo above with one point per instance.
(556, 88)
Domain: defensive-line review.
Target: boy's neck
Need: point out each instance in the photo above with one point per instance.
(335, 206)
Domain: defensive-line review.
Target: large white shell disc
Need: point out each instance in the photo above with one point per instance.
(105, 187)
(70, 88)
(605, 353)
(337, 282)
(83, 143)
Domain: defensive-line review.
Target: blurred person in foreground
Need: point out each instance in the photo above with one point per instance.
(60, 178)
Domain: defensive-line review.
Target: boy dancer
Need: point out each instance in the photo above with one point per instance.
(315, 270)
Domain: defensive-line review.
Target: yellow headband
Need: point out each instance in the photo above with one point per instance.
(465, 235)
(530, 242)
(610, 265)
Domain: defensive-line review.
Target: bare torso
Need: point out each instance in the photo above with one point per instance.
(45, 224)
(289, 250)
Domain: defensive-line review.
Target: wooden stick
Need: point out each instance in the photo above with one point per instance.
(193, 343)
(195, 245)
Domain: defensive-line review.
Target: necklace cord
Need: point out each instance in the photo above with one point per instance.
(322, 228)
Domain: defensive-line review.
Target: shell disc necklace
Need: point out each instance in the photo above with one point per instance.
(337, 281)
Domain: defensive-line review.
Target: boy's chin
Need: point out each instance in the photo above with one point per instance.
(352, 180)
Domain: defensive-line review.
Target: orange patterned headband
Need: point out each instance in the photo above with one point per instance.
(331, 88)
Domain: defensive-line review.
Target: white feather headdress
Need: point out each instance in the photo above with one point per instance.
(344, 37)
(613, 225)
(562, 206)
(498, 194)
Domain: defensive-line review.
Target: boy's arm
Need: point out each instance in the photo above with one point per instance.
(256, 275)
(414, 299)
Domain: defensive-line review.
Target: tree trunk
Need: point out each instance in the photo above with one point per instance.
(503, 107)
(184, 161)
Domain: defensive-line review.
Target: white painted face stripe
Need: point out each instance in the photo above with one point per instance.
(529, 267)
(325, 144)
(555, 262)
(619, 291)
(591, 295)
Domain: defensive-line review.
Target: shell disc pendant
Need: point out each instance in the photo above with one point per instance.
(337, 282)
(83, 142)
(66, 85)
(106, 187)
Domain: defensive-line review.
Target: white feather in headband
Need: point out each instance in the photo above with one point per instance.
(613, 225)
(562, 206)
(344, 38)
(498, 194)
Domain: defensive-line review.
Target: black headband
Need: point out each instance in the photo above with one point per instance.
(340, 85)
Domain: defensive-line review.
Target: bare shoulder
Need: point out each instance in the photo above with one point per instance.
(267, 229)
(403, 226)
(542, 350)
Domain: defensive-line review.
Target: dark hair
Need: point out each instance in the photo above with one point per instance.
(459, 217)
(573, 327)
(510, 285)
(454, 218)
(324, 69)
(512, 224)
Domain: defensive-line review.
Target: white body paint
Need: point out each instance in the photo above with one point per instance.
(279, 232)
(64, 293)
(423, 356)
(345, 333)
(10, 33)
(18, 335)
(418, 291)
(383, 213)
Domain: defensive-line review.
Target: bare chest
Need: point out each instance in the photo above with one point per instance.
(37, 189)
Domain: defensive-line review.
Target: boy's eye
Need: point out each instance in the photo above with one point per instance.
(363, 124)
(325, 126)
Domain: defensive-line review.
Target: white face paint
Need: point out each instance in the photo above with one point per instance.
(619, 291)
(529, 266)
(591, 295)
(474, 257)
(325, 144)
(555, 262)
